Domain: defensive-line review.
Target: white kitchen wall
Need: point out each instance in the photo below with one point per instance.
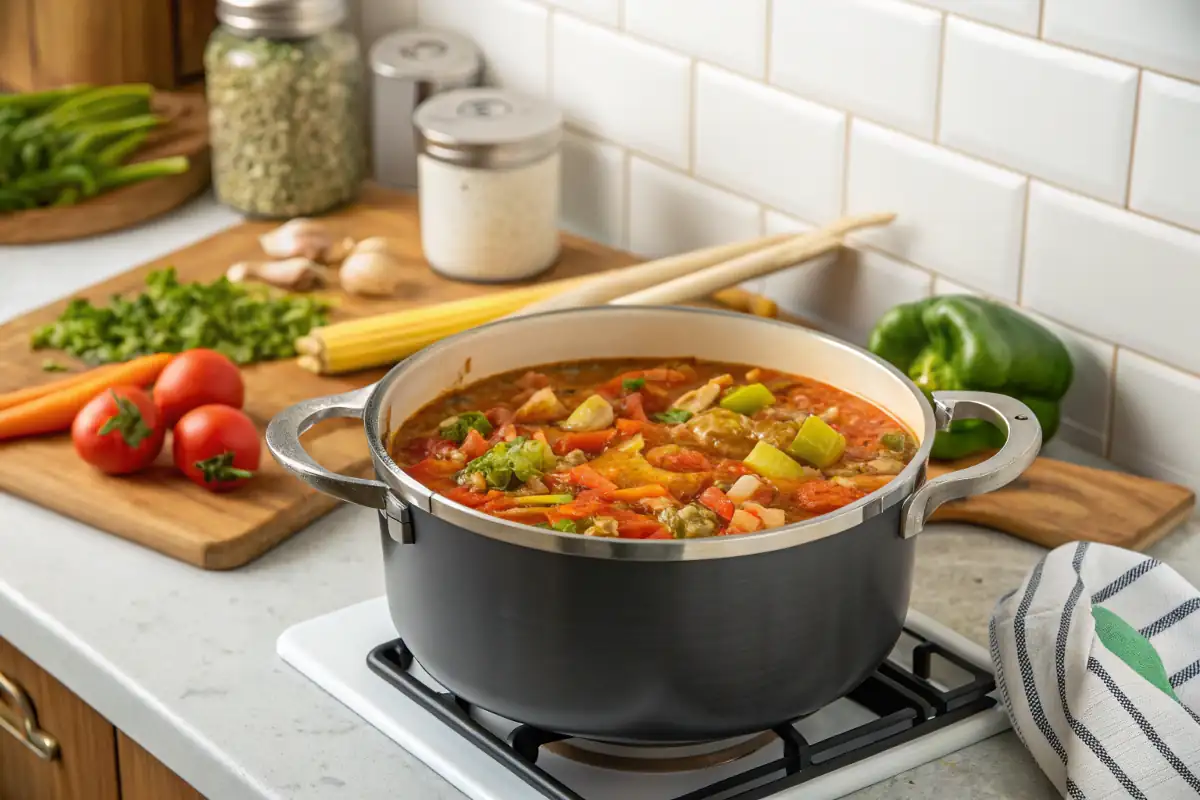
(1045, 153)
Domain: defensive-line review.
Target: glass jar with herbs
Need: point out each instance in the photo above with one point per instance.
(284, 86)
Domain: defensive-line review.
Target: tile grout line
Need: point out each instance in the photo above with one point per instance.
(770, 22)
(1022, 248)
(941, 79)
(549, 34)
(1137, 108)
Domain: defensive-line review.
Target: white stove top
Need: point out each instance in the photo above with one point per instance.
(331, 651)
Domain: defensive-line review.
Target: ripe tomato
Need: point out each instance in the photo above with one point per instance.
(197, 378)
(118, 431)
(217, 447)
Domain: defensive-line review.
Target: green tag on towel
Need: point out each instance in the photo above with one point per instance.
(1123, 641)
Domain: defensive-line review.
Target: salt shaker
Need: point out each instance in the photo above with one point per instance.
(409, 67)
(488, 177)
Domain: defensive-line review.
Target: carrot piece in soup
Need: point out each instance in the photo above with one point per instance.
(588, 442)
(585, 475)
(821, 497)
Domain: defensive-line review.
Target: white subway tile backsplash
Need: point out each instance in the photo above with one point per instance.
(596, 172)
(845, 295)
(689, 120)
(1160, 34)
(1083, 438)
(956, 216)
(877, 58)
(1051, 112)
(610, 85)
(606, 11)
(1166, 155)
(1152, 432)
(769, 145)
(672, 213)
(1017, 15)
(1087, 402)
(732, 33)
(378, 18)
(1115, 274)
(946, 286)
(511, 33)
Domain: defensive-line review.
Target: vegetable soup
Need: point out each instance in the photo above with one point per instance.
(652, 449)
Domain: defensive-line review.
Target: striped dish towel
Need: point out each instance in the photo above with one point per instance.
(1097, 658)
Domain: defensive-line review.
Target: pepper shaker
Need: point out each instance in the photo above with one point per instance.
(409, 67)
(488, 176)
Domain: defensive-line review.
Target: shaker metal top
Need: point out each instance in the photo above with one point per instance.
(488, 127)
(281, 18)
(423, 54)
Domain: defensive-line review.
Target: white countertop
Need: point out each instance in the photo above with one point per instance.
(184, 660)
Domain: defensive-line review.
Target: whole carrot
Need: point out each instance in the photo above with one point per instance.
(55, 411)
(19, 396)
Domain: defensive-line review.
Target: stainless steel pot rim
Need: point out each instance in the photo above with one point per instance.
(415, 494)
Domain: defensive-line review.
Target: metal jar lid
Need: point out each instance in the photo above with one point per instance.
(440, 57)
(281, 18)
(488, 128)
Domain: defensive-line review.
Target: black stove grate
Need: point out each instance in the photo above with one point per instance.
(908, 703)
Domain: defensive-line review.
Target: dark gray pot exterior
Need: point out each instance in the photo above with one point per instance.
(649, 652)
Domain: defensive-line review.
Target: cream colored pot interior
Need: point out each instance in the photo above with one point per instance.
(630, 332)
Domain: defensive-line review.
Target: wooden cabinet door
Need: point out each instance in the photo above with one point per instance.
(85, 767)
(144, 777)
(194, 23)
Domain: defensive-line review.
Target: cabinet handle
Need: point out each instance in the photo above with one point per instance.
(18, 718)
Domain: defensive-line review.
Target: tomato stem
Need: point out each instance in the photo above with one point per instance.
(221, 468)
(128, 421)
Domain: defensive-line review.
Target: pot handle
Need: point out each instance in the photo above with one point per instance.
(283, 440)
(1021, 448)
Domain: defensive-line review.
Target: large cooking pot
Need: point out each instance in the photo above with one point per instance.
(650, 641)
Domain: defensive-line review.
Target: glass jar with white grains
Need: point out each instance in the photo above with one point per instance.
(488, 182)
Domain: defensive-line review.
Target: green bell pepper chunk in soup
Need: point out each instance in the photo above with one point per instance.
(620, 458)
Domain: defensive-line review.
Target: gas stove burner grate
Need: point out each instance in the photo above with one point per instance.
(908, 703)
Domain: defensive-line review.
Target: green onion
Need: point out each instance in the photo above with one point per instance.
(893, 441)
(673, 416)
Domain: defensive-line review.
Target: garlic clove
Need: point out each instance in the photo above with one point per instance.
(372, 274)
(306, 238)
(242, 271)
(296, 274)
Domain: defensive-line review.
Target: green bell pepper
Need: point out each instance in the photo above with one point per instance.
(966, 342)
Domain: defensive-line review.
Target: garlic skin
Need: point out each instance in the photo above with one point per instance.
(371, 274)
(305, 238)
(297, 274)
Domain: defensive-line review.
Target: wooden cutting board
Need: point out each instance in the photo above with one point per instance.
(1054, 502)
(185, 133)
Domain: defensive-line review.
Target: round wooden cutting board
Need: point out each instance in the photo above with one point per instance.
(185, 133)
